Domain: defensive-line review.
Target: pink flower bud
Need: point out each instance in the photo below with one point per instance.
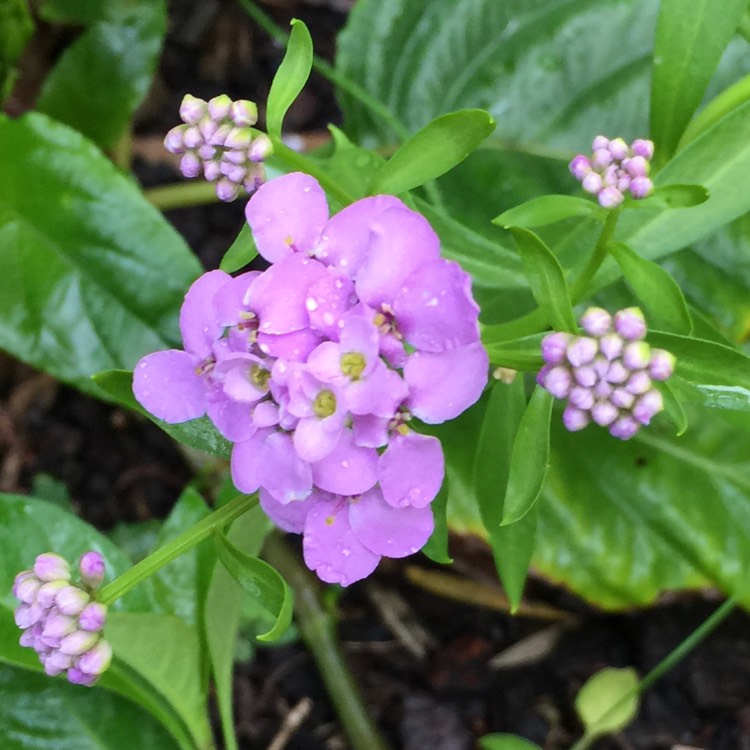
(648, 406)
(206, 152)
(78, 642)
(575, 419)
(244, 113)
(554, 346)
(192, 109)
(220, 136)
(623, 183)
(70, 600)
(592, 183)
(638, 383)
(622, 399)
(58, 626)
(558, 381)
(174, 141)
(25, 590)
(227, 190)
(239, 138)
(610, 197)
(624, 428)
(219, 107)
(596, 321)
(77, 677)
(93, 617)
(208, 127)
(661, 365)
(602, 389)
(92, 568)
(27, 615)
(580, 166)
(260, 149)
(642, 147)
(604, 413)
(97, 659)
(192, 137)
(190, 165)
(630, 323)
(617, 373)
(48, 592)
(50, 567)
(601, 159)
(636, 355)
(59, 661)
(212, 171)
(600, 142)
(618, 149)
(641, 187)
(611, 346)
(581, 350)
(581, 398)
(585, 376)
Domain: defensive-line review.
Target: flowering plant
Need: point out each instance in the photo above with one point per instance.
(375, 363)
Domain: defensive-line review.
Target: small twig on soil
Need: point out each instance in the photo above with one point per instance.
(292, 722)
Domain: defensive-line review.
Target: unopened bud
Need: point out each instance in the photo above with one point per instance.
(244, 113)
(641, 187)
(580, 166)
(643, 147)
(93, 617)
(575, 419)
(70, 600)
(219, 107)
(618, 149)
(260, 149)
(610, 197)
(226, 190)
(96, 659)
(192, 109)
(596, 321)
(92, 569)
(174, 140)
(630, 323)
(78, 642)
(661, 365)
(624, 428)
(51, 567)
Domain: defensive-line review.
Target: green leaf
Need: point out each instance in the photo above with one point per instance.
(547, 209)
(673, 196)
(197, 433)
(432, 151)
(241, 252)
(104, 75)
(290, 78)
(608, 701)
(546, 279)
(657, 291)
(530, 458)
(352, 166)
(80, 11)
(16, 27)
(262, 582)
(505, 742)
(518, 354)
(93, 275)
(37, 713)
(165, 652)
(437, 545)
(673, 407)
(222, 615)
(705, 362)
(687, 50)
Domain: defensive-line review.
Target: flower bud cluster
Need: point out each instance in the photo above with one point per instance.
(314, 367)
(607, 375)
(614, 169)
(61, 620)
(218, 142)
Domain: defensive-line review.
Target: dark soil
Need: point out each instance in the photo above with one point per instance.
(423, 661)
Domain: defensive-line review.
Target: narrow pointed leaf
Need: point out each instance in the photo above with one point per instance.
(546, 279)
(673, 407)
(673, 196)
(290, 78)
(518, 354)
(433, 150)
(240, 252)
(687, 50)
(437, 545)
(261, 581)
(548, 209)
(530, 458)
(657, 291)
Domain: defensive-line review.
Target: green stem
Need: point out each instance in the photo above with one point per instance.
(181, 195)
(299, 161)
(329, 72)
(156, 560)
(319, 633)
(669, 661)
(580, 286)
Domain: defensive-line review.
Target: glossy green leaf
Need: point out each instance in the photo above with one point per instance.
(530, 458)
(546, 279)
(165, 652)
(16, 27)
(673, 407)
(687, 50)
(290, 78)
(222, 615)
(104, 75)
(506, 742)
(511, 547)
(705, 362)
(197, 433)
(517, 354)
(93, 275)
(39, 713)
(548, 209)
(433, 150)
(352, 166)
(240, 252)
(262, 582)
(437, 545)
(673, 196)
(656, 290)
(608, 701)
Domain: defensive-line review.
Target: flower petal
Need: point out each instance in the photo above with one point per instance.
(401, 242)
(166, 384)
(389, 531)
(443, 385)
(330, 547)
(434, 309)
(233, 419)
(200, 325)
(411, 470)
(287, 516)
(348, 469)
(282, 472)
(287, 214)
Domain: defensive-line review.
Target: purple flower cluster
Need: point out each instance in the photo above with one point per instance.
(606, 376)
(218, 142)
(314, 368)
(60, 620)
(614, 169)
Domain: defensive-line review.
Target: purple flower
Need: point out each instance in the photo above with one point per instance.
(606, 376)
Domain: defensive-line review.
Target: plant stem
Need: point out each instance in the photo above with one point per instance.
(580, 286)
(318, 632)
(181, 195)
(156, 560)
(669, 661)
